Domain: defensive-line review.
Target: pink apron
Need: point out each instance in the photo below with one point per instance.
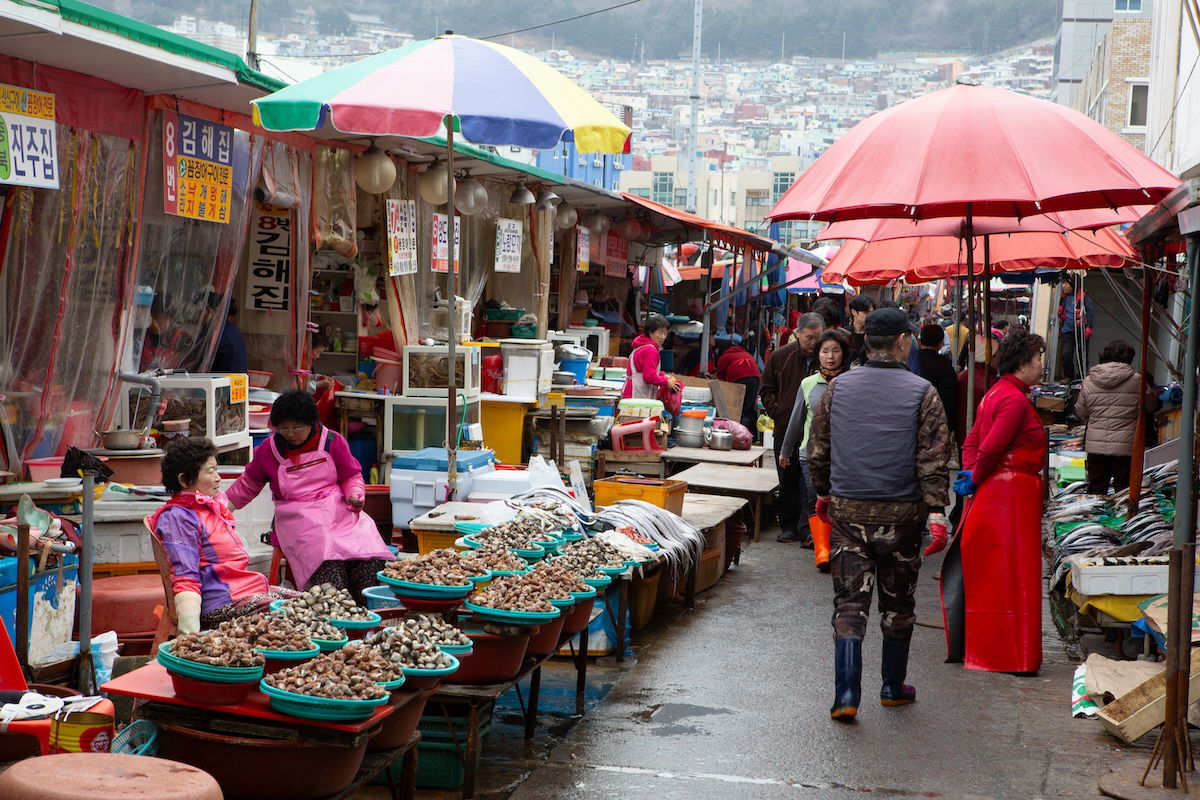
(313, 523)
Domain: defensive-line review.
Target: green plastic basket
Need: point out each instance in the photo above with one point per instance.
(503, 314)
(413, 672)
(205, 672)
(329, 645)
(524, 331)
(519, 617)
(356, 624)
(139, 738)
(401, 588)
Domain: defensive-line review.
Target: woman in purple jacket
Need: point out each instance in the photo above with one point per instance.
(319, 493)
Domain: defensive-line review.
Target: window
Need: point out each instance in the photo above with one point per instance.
(597, 161)
(641, 192)
(780, 183)
(662, 185)
(618, 165)
(1128, 5)
(680, 198)
(757, 197)
(1138, 94)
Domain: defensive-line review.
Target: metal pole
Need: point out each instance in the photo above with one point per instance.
(1137, 463)
(693, 128)
(987, 307)
(87, 536)
(252, 37)
(452, 317)
(1185, 527)
(970, 234)
(22, 612)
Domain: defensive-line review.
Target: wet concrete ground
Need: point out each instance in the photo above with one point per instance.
(732, 701)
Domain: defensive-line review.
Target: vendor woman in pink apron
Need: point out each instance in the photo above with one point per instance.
(318, 490)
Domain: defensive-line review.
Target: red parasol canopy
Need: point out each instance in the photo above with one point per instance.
(973, 150)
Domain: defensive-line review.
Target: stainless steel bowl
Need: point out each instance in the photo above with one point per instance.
(690, 438)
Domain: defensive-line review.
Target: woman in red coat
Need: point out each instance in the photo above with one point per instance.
(992, 575)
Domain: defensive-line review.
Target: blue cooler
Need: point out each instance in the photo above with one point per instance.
(419, 480)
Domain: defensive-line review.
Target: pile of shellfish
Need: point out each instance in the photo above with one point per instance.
(328, 676)
(440, 568)
(216, 648)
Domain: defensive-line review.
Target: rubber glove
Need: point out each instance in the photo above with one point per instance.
(1087, 333)
(356, 502)
(964, 485)
(937, 529)
(187, 611)
(823, 510)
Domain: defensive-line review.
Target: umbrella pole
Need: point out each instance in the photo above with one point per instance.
(1179, 603)
(970, 234)
(451, 316)
(1138, 462)
(987, 306)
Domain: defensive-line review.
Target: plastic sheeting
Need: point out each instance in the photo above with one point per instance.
(67, 282)
(191, 264)
(334, 196)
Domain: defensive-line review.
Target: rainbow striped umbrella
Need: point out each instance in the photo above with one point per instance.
(497, 94)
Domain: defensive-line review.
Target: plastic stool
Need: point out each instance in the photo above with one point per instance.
(646, 428)
(105, 776)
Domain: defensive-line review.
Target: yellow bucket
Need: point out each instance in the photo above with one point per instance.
(80, 732)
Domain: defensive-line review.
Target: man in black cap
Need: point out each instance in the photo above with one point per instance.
(879, 477)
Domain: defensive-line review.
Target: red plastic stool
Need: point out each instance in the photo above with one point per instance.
(104, 776)
(645, 428)
(126, 603)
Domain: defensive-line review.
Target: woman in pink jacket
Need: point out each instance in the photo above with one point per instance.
(644, 379)
(210, 575)
(319, 492)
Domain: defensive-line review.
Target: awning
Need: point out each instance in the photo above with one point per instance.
(700, 227)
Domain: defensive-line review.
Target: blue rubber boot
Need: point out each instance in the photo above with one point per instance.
(847, 680)
(895, 691)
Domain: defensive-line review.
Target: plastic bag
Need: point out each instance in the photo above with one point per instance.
(334, 197)
(280, 177)
(765, 423)
(742, 439)
(104, 654)
(543, 473)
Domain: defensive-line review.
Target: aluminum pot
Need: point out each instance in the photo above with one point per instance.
(689, 425)
(718, 439)
(690, 438)
(120, 440)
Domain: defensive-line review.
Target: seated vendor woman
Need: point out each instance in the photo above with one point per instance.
(209, 566)
(319, 493)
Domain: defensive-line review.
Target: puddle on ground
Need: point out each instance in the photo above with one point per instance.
(666, 717)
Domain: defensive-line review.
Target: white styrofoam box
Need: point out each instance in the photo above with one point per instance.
(528, 366)
(424, 364)
(498, 484)
(415, 491)
(696, 395)
(1125, 579)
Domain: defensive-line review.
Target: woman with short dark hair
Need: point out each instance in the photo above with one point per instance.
(644, 378)
(210, 575)
(1108, 403)
(992, 575)
(319, 493)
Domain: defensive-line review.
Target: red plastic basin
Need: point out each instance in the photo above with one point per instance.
(493, 659)
(545, 641)
(217, 694)
(399, 726)
(578, 616)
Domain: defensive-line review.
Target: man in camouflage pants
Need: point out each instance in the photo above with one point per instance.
(879, 456)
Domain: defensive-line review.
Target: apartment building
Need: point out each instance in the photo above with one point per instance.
(1116, 87)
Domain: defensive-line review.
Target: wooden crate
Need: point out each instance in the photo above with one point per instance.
(1132, 716)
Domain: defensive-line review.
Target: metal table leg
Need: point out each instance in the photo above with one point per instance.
(758, 499)
(471, 751)
(408, 775)
(535, 683)
(581, 665)
(689, 585)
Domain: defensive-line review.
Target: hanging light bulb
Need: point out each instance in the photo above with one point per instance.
(470, 197)
(629, 228)
(598, 223)
(432, 185)
(565, 217)
(547, 200)
(374, 172)
(521, 196)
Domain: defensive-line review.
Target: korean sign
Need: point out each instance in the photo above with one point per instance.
(508, 245)
(269, 285)
(197, 167)
(616, 262)
(402, 237)
(28, 138)
(441, 243)
(583, 248)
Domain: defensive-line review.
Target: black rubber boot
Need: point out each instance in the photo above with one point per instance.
(847, 680)
(895, 691)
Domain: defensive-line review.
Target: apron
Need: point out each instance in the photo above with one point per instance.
(672, 401)
(992, 572)
(313, 523)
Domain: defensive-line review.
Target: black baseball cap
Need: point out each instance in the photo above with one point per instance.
(889, 322)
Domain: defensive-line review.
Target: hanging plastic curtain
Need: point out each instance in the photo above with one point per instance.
(67, 286)
(191, 264)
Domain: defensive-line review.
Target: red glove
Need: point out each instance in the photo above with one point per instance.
(1087, 333)
(937, 529)
(823, 510)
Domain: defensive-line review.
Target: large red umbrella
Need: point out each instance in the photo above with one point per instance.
(973, 150)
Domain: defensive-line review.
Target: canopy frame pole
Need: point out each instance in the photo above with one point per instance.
(969, 232)
(987, 306)
(452, 319)
(1138, 462)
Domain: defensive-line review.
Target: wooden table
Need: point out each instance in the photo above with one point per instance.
(703, 455)
(706, 511)
(753, 483)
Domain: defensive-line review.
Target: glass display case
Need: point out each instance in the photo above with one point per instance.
(427, 371)
(215, 405)
(414, 423)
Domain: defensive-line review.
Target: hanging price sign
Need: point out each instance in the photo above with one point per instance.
(508, 245)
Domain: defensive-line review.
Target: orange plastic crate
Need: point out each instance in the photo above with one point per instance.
(667, 493)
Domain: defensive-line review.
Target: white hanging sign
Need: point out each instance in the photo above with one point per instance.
(402, 237)
(508, 245)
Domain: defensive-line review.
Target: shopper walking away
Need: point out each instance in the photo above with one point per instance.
(785, 369)
(992, 576)
(644, 378)
(938, 370)
(985, 376)
(319, 494)
(833, 354)
(737, 365)
(231, 347)
(879, 455)
(860, 307)
(1075, 320)
(1108, 402)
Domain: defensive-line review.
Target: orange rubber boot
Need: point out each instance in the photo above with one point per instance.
(820, 534)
